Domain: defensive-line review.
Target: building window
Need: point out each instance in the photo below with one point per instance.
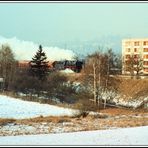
(127, 62)
(136, 56)
(145, 43)
(145, 63)
(127, 43)
(127, 56)
(135, 49)
(145, 56)
(146, 69)
(136, 43)
(128, 49)
(145, 49)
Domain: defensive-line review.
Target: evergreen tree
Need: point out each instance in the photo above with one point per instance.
(39, 65)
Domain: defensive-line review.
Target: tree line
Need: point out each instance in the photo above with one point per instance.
(98, 78)
(38, 80)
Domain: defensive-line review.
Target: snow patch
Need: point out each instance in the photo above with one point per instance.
(19, 109)
(125, 136)
(123, 100)
(67, 70)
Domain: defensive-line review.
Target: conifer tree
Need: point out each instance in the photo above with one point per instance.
(39, 65)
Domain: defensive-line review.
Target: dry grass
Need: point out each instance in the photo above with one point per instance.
(114, 118)
(6, 121)
(45, 119)
(121, 111)
(76, 77)
(134, 88)
(125, 122)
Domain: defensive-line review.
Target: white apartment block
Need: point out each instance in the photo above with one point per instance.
(135, 47)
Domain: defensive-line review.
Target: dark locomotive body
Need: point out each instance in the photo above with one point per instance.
(76, 65)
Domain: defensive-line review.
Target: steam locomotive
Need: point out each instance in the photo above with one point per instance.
(75, 65)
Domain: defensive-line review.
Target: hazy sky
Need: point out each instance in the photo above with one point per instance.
(47, 23)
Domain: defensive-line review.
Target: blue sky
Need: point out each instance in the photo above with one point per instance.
(55, 23)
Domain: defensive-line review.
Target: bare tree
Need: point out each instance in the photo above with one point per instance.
(139, 66)
(7, 65)
(112, 65)
(98, 68)
(95, 74)
(134, 64)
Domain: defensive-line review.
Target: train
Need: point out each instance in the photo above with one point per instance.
(75, 65)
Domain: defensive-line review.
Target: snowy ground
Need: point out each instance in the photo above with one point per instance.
(126, 136)
(67, 70)
(19, 109)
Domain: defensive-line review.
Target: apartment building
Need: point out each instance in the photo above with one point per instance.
(137, 48)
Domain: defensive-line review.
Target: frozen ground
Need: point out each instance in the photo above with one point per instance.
(126, 136)
(19, 109)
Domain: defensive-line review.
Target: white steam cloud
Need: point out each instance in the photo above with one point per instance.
(25, 50)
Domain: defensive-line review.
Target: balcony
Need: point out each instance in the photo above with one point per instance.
(145, 66)
(145, 59)
(145, 46)
(145, 52)
(128, 53)
(136, 53)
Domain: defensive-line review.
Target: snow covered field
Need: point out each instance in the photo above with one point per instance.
(126, 136)
(19, 109)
